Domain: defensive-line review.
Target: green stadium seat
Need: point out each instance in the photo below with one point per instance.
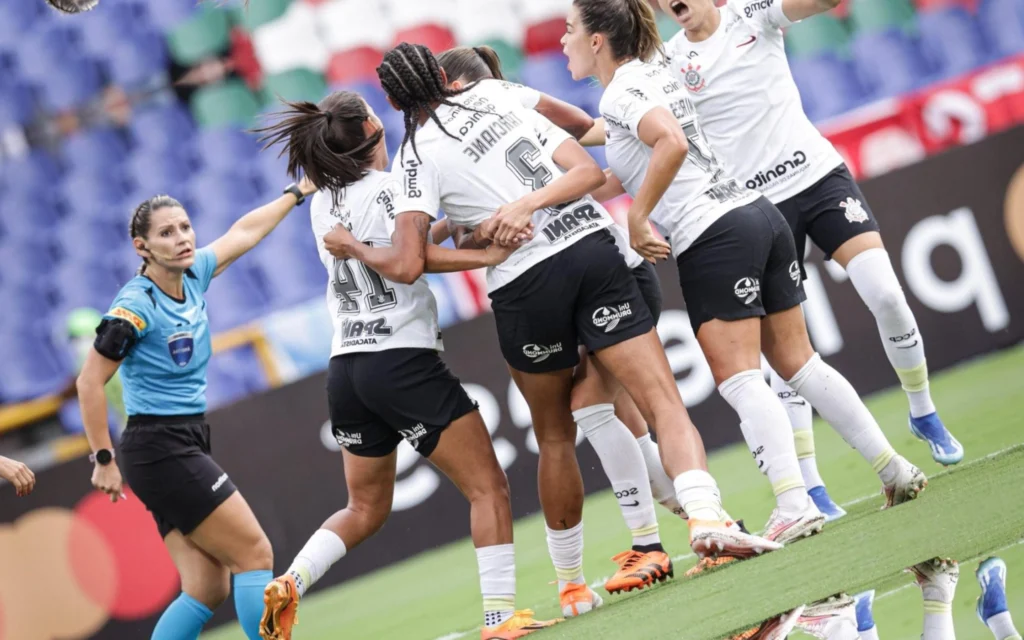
(297, 84)
(260, 13)
(820, 34)
(880, 15)
(667, 27)
(203, 35)
(510, 55)
(227, 104)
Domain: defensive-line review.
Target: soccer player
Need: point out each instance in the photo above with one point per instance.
(732, 62)
(386, 380)
(596, 396)
(474, 152)
(19, 475)
(992, 609)
(937, 579)
(157, 333)
(735, 254)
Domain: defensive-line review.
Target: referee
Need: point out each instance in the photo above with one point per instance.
(157, 333)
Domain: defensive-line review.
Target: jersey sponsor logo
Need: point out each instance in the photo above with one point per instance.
(751, 41)
(124, 314)
(413, 435)
(854, 210)
(569, 224)
(693, 78)
(671, 87)
(783, 171)
(539, 353)
(754, 7)
(370, 328)
(637, 93)
(220, 482)
(747, 289)
(181, 346)
(386, 199)
(348, 439)
(608, 318)
(412, 174)
(794, 272)
(615, 122)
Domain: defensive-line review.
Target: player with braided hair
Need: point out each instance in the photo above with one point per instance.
(475, 153)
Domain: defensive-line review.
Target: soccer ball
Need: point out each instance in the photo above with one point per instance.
(73, 6)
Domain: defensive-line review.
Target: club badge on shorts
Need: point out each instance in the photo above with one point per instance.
(854, 210)
(181, 347)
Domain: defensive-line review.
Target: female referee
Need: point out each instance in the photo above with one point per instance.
(597, 401)
(567, 285)
(157, 333)
(735, 255)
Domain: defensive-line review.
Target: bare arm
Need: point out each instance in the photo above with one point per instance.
(611, 189)
(444, 260)
(660, 131)
(96, 372)
(403, 262)
(440, 231)
(253, 227)
(797, 10)
(567, 116)
(596, 137)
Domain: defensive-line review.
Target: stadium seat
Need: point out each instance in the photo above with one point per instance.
(511, 57)
(35, 171)
(820, 34)
(29, 300)
(224, 385)
(258, 14)
(289, 277)
(29, 213)
(881, 15)
(203, 35)
(159, 172)
(162, 127)
(104, 27)
(168, 14)
(537, 11)
(25, 260)
(1003, 23)
(44, 50)
(32, 366)
(499, 22)
(353, 65)
(274, 43)
(299, 84)
(927, 5)
(71, 85)
(235, 298)
(225, 149)
(17, 104)
(223, 195)
(229, 103)
(86, 283)
(888, 63)
(828, 86)
(952, 41)
(435, 37)
(544, 37)
(17, 19)
(270, 170)
(83, 240)
(335, 19)
(133, 64)
(95, 147)
(96, 192)
(548, 73)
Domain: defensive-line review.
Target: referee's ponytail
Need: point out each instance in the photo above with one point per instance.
(326, 141)
(630, 27)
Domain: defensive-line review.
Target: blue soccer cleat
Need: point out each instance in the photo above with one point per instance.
(946, 449)
(865, 619)
(824, 503)
(991, 575)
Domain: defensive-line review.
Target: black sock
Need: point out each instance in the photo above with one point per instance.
(739, 523)
(647, 548)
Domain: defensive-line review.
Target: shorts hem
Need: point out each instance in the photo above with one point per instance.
(210, 507)
(630, 333)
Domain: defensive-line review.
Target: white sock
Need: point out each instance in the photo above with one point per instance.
(870, 634)
(497, 565)
(566, 550)
(938, 621)
(872, 275)
(322, 550)
(698, 492)
(623, 463)
(801, 418)
(1001, 626)
(661, 485)
(766, 429)
(837, 402)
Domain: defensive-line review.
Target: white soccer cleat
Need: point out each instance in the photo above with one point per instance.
(709, 538)
(830, 619)
(909, 484)
(777, 628)
(937, 578)
(786, 528)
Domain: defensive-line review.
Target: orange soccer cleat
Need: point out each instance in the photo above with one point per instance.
(281, 609)
(707, 564)
(520, 624)
(638, 570)
(577, 599)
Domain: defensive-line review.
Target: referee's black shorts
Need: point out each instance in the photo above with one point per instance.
(166, 462)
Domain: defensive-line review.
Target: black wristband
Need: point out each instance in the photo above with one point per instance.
(295, 191)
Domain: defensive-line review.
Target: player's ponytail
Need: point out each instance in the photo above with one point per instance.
(630, 27)
(471, 64)
(139, 225)
(326, 141)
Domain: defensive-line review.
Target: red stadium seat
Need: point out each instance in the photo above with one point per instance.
(434, 37)
(925, 5)
(544, 36)
(353, 65)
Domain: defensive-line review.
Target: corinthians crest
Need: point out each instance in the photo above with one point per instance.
(854, 210)
(692, 77)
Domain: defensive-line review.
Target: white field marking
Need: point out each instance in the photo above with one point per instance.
(686, 556)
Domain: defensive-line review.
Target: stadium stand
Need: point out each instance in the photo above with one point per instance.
(154, 96)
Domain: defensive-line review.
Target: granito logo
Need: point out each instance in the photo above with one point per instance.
(411, 176)
(765, 178)
(539, 353)
(760, 5)
(609, 317)
(747, 289)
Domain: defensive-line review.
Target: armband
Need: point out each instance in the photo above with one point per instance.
(115, 338)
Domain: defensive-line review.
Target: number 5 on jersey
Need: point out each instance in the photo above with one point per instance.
(379, 296)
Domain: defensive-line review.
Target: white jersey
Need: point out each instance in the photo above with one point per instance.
(700, 193)
(371, 313)
(495, 160)
(749, 106)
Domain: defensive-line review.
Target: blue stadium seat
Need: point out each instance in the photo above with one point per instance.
(123, 261)
(889, 63)
(246, 367)
(167, 14)
(45, 49)
(290, 277)
(235, 297)
(224, 197)
(138, 62)
(99, 195)
(225, 149)
(29, 300)
(224, 385)
(270, 170)
(1003, 22)
(162, 127)
(160, 172)
(74, 83)
(26, 260)
(86, 283)
(548, 73)
(98, 147)
(83, 240)
(32, 366)
(35, 171)
(28, 214)
(828, 86)
(17, 104)
(103, 27)
(951, 40)
(16, 19)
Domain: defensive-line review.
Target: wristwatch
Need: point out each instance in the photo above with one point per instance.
(295, 191)
(103, 457)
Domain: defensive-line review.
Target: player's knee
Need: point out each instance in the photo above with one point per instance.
(261, 556)
(211, 590)
(372, 514)
(888, 301)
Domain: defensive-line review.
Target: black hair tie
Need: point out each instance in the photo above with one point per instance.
(329, 117)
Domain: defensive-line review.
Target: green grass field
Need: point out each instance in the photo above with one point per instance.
(968, 512)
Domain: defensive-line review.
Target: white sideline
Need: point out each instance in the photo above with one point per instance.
(686, 556)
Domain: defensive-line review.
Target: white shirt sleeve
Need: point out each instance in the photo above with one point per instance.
(766, 15)
(420, 188)
(550, 135)
(322, 221)
(527, 96)
(625, 104)
(386, 199)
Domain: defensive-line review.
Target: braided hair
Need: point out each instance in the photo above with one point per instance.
(141, 218)
(413, 79)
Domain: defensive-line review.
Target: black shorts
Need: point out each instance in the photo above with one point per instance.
(166, 463)
(583, 295)
(744, 265)
(650, 288)
(831, 211)
(378, 398)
